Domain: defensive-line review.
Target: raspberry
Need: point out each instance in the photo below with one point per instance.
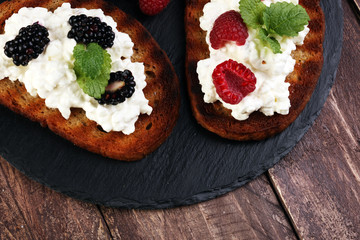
(233, 81)
(152, 7)
(229, 26)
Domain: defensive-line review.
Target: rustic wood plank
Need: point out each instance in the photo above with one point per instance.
(29, 210)
(319, 182)
(252, 212)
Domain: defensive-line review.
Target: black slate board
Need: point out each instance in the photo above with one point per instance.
(193, 165)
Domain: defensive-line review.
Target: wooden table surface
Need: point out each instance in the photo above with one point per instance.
(313, 193)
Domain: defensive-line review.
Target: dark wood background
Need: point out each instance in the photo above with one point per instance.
(313, 193)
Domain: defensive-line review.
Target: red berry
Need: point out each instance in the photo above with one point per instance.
(152, 7)
(233, 81)
(229, 26)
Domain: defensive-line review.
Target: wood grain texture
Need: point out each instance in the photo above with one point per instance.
(319, 182)
(32, 211)
(29, 210)
(252, 212)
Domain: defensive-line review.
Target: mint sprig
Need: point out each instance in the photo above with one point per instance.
(92, 68)
(285, 19)
(281, 18)
(263, 35)
(251, 12)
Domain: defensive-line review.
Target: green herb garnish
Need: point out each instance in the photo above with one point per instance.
(92, 67)
(264, 37)
(280, 19)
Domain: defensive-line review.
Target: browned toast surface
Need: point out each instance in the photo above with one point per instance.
(162, 91)
(216, 118)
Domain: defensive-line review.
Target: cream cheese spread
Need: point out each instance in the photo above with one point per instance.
(271, 94)
(51, 75)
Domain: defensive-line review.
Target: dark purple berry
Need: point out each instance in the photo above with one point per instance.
(118, 95)
(28, 44)
(91, 30)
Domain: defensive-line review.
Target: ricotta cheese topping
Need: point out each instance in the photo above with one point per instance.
(271, 94)
(51, 75)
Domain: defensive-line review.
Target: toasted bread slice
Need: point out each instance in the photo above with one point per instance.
(216, 118)
(162, 91)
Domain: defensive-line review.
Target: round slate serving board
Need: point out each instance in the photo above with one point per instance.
(193, 165)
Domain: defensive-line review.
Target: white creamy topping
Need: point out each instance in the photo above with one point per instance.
(271, 94)
(51, 75)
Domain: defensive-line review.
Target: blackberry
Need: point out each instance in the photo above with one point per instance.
(28, 44)
(87, 30)
(121, 86)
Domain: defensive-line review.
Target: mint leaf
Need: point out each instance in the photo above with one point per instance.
(91, 88)
(275, 46)
(285, 19)
(252, 11)
(92, 68)
(266, 19)
(281, 18)
(90, 58)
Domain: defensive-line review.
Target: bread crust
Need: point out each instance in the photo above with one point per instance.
(162, 91)
(216, 118)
